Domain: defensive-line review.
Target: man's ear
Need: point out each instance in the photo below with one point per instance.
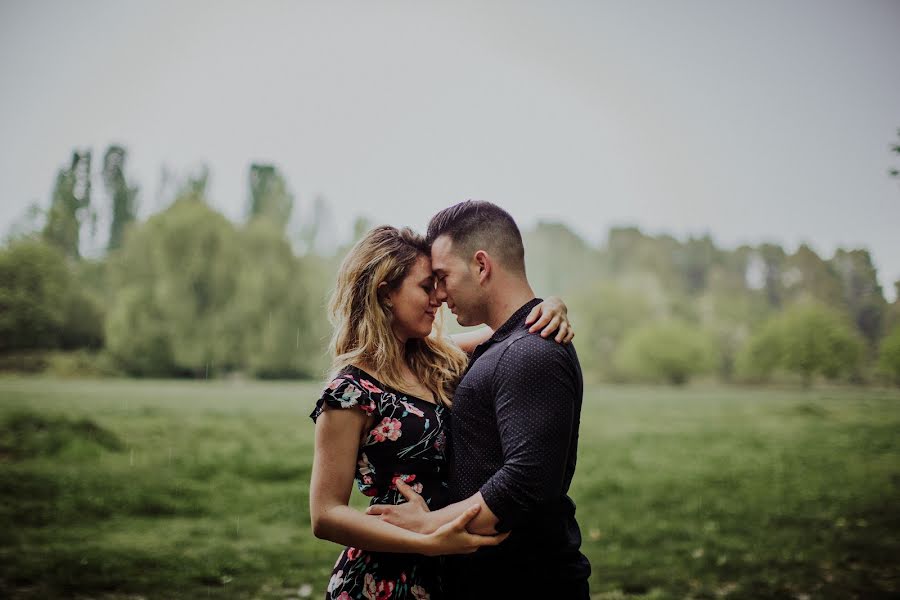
(484, 266)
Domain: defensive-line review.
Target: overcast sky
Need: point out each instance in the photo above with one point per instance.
(753, 121)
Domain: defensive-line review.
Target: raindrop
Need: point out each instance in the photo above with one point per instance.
(131, 458)
(298, 337)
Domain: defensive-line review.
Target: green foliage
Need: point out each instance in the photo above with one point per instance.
(280, 303)
(889, 356)
(602, 314)
(551, 245)
(34, 287)
(269, 196)
(123, 197)
(176, 277)
(70, 205)
(672, 351)
(862, 292)
(198, 296)
(190, 293)
(807, 339)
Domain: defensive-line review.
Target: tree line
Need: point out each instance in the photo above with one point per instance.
(187, 292)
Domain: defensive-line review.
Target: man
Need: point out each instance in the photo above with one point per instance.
(515, 420)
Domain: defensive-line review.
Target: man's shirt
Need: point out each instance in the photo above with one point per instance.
(514, 437)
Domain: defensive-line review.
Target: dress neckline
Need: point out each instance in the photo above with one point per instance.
(395, 390)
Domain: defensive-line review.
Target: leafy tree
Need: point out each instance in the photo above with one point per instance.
(861, 292)
(694, 260)
(806, 277)
(70, 205)
(198, 296)
(269, 196)
(192, 188)
(123, 197)
(281, 306)
(558, 259)
(177, 277)
(806, 339)
(892, 314)
(603, 313)
(671, 351)
(773, 258)
(29, 223)
(34, 284)
(889, 356)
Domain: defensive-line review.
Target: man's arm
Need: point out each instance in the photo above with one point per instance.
(414, 515)
(536, 388)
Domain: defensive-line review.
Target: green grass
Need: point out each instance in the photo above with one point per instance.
(163, 489)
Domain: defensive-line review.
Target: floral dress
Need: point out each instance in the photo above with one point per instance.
(407, 442)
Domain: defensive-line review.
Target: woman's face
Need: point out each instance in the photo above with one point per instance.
(415, 302)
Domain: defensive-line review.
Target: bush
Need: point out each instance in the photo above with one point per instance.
(80, 363)
(603, 314)
(807, 339)
(671, 351)
(34, 283)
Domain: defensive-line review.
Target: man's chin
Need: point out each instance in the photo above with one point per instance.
(463, 322)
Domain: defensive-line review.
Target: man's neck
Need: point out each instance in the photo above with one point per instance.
(515, 294)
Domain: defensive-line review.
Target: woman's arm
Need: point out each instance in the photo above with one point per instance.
(551, 315)
(336, 446)
(548, 316)
(468, 340)
(416, 516)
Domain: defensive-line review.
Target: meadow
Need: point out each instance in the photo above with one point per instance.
(199, 489)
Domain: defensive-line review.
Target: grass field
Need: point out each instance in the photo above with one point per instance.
(173, 489)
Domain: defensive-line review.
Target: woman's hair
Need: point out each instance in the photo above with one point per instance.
(362, 321)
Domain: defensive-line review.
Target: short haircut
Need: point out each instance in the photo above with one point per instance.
(478, 225)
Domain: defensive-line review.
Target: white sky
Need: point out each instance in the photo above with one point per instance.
(754, 121)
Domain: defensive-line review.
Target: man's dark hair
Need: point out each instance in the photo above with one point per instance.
(478, 225)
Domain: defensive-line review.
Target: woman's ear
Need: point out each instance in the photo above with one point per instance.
(383, 295)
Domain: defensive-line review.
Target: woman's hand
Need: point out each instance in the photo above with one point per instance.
(551, 315)
(412, 515)
(452, 537)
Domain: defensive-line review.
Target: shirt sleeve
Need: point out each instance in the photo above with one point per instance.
(535, 392)
(345, 391)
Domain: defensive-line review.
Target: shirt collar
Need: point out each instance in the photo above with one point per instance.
(516, 321)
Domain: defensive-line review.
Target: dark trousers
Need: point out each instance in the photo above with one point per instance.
(523, 586)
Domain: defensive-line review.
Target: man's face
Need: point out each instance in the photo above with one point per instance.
(457, 284)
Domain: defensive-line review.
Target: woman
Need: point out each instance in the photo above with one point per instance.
(394, 373)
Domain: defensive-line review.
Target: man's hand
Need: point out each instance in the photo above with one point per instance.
(412, 515)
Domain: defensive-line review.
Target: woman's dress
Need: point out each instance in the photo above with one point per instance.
(407, 441)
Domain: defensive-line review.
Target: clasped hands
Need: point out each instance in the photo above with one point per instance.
(444, 538)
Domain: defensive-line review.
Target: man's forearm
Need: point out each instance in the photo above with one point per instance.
(483, 524)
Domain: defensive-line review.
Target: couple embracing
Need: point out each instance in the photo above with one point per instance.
(466, 444)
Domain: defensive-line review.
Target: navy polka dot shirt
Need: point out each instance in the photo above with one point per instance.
(514, 437)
